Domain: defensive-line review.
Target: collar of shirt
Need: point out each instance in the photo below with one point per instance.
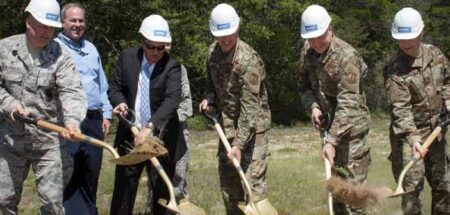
(146, 65)
(77, 47)
(420, 61)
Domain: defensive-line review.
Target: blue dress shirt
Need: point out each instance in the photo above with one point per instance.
(89, 65)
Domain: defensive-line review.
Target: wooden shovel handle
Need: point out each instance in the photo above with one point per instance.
(430, 139)
(59, 129)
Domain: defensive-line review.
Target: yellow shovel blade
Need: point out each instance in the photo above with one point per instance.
(171, 206)
(248, 209)
(188, 207)
(265, 208)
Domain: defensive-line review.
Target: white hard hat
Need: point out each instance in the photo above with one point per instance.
(45, 12)
(315, 21)
(155, 28)
(407, 24)
(224, 20)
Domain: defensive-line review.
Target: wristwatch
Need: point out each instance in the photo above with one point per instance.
(150, 126)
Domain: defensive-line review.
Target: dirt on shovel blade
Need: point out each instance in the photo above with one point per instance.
(355, 195)
(150, 147)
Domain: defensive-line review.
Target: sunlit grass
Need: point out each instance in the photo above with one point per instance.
(295, 174)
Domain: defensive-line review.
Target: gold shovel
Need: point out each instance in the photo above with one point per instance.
(185, 207)
(262, 207)
(430, 139)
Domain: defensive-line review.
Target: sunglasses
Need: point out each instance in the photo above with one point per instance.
(152, 48)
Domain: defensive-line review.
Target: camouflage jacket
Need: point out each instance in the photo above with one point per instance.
(48, 87)
(236, 86)
(417, 89)
(185, 107)
(333, 82)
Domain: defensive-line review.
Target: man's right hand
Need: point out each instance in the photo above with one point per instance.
(121, 109)
(203, 107)
(19, 109)
(418, 149)
(315, 118)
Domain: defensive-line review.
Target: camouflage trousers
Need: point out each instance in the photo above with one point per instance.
(254, 163)
(352, 163)
(52, 168)
(435, 168)
(181, 168)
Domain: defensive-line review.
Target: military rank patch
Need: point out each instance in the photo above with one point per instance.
(254, 78)
(351, 78)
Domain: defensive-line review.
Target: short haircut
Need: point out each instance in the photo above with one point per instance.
(68, 6)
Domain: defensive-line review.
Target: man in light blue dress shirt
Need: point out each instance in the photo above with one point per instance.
(80, 194)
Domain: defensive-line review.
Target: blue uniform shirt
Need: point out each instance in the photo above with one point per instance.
(89, 65)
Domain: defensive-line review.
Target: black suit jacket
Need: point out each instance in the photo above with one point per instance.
(165, 91)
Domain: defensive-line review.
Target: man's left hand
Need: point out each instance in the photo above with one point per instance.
(105, 125)
(145, 132)
(72, 129)
(329, 152)
(235, 153)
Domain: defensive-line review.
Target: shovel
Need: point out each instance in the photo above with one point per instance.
(263, 207)
(131, 159)
(324, 130)
(430, 139)
(185, 207)
(59, 129)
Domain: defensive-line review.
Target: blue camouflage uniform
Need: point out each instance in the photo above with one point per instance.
(48, 87)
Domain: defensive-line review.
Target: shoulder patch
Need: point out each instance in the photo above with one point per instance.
(254, 78)
(350, 81)
(351, 75)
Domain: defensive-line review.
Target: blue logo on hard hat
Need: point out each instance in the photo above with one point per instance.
(309, 28)
(223, 26)
(160, 33)
(404, 29)
(52, 16)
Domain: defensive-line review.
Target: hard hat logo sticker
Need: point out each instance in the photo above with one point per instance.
(52, 16)
(404, 30)
(309, 28)
(223, 26)
(159, 33)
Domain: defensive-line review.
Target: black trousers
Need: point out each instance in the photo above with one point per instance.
(126, 184)
(80, 194)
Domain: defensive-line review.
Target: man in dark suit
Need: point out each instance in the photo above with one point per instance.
(147, 80)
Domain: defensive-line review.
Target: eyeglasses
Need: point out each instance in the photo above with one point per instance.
(150, 47)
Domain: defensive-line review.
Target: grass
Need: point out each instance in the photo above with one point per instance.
(295, 174)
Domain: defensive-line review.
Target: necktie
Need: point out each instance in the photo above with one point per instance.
(144, 85)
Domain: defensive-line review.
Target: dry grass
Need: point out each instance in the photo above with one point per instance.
(295, 175)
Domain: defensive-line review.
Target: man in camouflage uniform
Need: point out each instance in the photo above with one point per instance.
(236, 87)
(37, 77)
(417, 85)
(330, 82)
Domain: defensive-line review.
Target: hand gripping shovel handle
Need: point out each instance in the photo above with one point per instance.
(59, 129)
(237, 165)
(324, 130)
(430, 139)
(171, 204)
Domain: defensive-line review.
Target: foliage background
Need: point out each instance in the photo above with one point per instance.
(270, 26)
